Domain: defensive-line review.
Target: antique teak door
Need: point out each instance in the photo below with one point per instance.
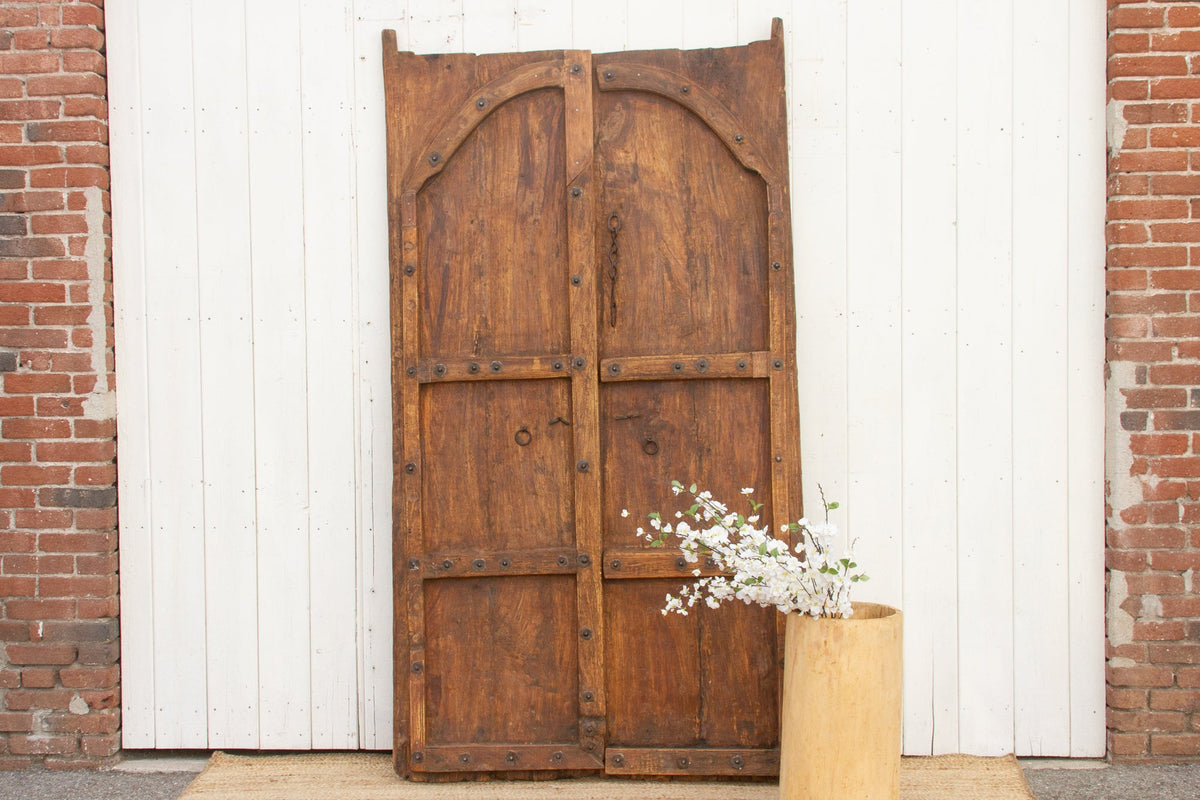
(592, 295)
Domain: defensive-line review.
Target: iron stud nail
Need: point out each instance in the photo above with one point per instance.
(478, 563)
(586, 633)
(777, 363)
(473, 367)
(584, 559)
(465, 758)
(677, 366)
(505, 563)
(779, 458)
(615, 563)
(739, 138)
(576, 69)
(681, 562)
(685, 89)
(738, 762)
(702, 365)
(510, 757)
(411, 371)
(418, 667)
(589, 696)
(685, 762)
(741, 364)
(558, 756)
(410, 467)
(583, 465)
(556, 364)
(590, 746)
(439, 369)
(561, 560)
(615, 369)
(418, 757)
(576, 280)
(414, 563)
(775, 265)
(578, 362)
(589, 727)
(409, 269)
(576, 191)
(497, 366)
(481, 103)
(434, 158)
(619, 760)
(447, 564)
(609, 75)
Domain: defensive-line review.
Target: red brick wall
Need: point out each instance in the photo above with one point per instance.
(59, 701)
(1154, 380)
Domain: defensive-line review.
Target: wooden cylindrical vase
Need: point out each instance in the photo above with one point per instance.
(841, 706)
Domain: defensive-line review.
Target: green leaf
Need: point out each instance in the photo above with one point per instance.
(833, 505)
(692, 489)
(654, 515)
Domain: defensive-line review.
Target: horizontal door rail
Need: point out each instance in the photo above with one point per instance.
(751, 364)
(459, 564)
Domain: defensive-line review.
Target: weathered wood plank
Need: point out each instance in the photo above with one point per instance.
(755, 364)
(691, 761)
(491, 563)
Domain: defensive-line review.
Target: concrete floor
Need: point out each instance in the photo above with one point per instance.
(157, 778)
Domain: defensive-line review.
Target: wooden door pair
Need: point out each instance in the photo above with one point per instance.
(592, 295)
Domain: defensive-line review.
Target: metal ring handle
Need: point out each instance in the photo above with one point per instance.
(523, 436)
(650, 447)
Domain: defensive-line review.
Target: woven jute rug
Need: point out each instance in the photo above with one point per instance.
(369, 776)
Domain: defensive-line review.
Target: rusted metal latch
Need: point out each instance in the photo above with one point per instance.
(614, 226)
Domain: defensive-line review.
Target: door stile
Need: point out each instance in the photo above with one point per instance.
(406, 504)
(784, 398)
(585, 394)
(411, 469)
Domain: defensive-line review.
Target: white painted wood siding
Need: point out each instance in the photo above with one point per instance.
(948, 205)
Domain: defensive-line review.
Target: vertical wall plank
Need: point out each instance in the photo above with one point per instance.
(710, 23)
(280, 385)
(1085, 386)
(754, 21)
(873, 283)
(543, 24)
(173, 336)
(226, 371)
(490, 26)
(599, 27)
(985, 538)
(655, 25)
(326, 80)
(1039, 388)
(132, 363)
(819, 224)
(928, 294)
(374, 411)
(435, 26)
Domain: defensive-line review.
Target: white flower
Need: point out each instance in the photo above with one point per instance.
(749, 490)
(624, 512)
(759, 568)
